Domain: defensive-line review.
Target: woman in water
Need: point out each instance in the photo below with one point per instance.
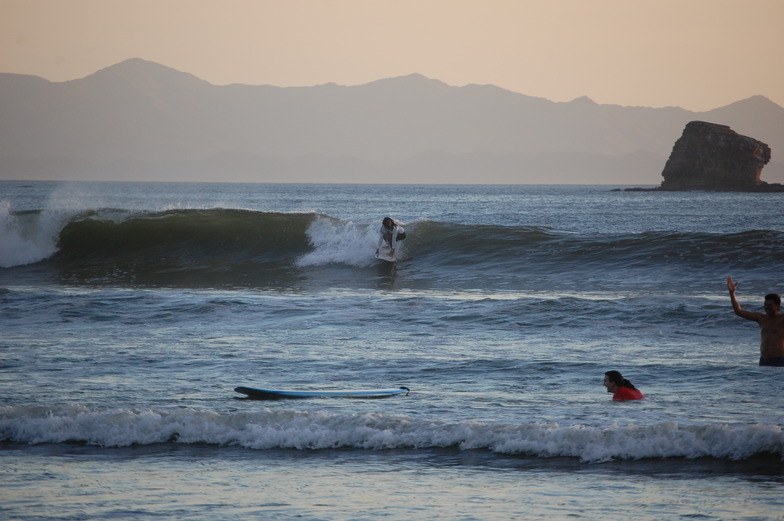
(621, 388)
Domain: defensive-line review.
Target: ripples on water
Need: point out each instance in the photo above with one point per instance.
(120, 352)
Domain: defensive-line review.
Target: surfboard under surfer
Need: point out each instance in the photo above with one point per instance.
(771, 325)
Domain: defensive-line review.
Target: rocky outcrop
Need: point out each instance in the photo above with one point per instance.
(709, 156)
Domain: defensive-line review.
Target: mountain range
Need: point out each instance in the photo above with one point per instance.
(139, 120)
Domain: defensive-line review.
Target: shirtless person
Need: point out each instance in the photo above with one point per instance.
(771, 326)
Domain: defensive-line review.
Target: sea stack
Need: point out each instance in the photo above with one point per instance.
(709, 156)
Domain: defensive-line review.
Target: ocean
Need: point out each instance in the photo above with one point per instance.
(131, 311)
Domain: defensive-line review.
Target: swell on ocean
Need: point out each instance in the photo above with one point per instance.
(243, 248)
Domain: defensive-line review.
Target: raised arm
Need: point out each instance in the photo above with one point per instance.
(748, 315)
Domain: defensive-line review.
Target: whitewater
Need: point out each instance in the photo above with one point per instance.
(130, 311)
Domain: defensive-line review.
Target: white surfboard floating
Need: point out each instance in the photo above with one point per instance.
(276, 394)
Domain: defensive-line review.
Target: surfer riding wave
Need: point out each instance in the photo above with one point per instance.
(390, 233)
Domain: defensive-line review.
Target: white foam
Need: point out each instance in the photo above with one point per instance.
(337, 242)
(289, 429)
(20, 244)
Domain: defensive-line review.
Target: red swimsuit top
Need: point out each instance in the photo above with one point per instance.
(627, 393)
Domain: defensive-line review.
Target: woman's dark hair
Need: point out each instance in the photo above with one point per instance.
(618, 379)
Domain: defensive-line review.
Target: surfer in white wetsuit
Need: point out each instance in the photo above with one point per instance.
(390, 232)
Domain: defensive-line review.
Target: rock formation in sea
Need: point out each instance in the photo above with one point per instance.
(709, 156)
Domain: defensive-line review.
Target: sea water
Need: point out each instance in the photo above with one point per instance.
(130, 311)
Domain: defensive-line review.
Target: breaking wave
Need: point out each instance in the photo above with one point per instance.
(242, 247)
(320, 430)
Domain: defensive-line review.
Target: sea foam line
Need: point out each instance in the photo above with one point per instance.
(313, 430)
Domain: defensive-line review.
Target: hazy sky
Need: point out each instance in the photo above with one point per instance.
(697, 54)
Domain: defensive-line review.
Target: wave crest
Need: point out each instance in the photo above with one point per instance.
(320, 430)
(220, 247)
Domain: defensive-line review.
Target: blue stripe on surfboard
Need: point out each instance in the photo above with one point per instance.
(271, 394)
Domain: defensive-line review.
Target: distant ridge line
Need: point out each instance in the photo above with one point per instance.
(141, 120)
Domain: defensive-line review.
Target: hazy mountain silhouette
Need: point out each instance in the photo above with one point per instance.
(139, 121)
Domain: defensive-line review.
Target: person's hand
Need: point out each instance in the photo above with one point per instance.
(731, 285)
